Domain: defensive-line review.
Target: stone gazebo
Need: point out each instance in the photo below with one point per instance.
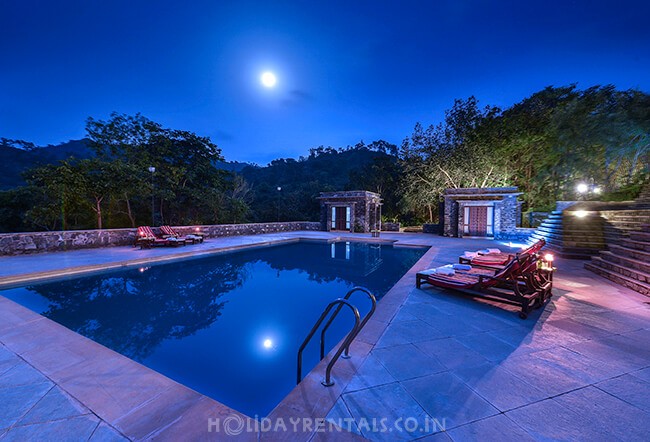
(482, 212)
(351, 211)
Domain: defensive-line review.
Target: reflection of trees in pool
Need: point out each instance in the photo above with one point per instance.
(373, 266)
(133, 312)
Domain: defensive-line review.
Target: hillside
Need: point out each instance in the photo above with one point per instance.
(300, 181)
(15, 158)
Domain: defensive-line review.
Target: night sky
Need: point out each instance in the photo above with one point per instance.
(347, 70)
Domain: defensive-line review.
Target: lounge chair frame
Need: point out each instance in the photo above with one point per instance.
(520, 283)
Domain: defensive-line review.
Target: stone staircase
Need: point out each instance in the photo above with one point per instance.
(627, 233)
(572, 236)
(628, 262)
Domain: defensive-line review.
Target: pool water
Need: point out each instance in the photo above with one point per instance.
(228, 326)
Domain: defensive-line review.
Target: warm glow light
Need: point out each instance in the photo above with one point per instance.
(548, 257)
(268, 79)
(582, 188)
(267, 343)
(580, 213)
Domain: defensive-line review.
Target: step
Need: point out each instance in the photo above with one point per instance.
(620, 249)
(626, 261)
(640, 235)
(636, 245)
(626, 224)
(616, 213)
(630, 283)
(637, 275)
(577, 253)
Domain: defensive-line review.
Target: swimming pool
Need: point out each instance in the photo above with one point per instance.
(228, 325)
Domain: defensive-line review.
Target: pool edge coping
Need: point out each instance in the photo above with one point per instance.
(312, 379)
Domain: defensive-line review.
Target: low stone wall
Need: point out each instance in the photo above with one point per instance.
(519, 234)
(432, 228)
(390, 227)
(35, 242)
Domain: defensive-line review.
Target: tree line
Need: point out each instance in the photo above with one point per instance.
(545, 145)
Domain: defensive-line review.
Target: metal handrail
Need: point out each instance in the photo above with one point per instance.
(336, 312)
(340, 302)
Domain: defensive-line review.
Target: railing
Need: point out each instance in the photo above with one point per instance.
(336, 312)
(345, 345)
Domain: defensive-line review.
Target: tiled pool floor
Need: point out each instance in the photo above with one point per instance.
(427, 361)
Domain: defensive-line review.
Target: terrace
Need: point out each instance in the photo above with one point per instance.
(429, 364)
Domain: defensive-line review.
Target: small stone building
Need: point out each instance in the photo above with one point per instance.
(481, 212)
(350, 211)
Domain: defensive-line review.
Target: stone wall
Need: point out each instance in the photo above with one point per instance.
(35, 242)
(520, 234)
(431, 228)
(390, 227)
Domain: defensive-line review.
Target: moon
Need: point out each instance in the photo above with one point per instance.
(268, 79)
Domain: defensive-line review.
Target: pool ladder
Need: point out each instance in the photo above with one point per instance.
(345, 345)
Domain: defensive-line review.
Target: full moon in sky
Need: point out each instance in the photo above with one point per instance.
(268, 79)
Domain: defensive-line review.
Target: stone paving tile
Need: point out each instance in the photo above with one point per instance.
(451, 353)
(444, 396)
(7, 360)
(21, 374)
(496, 428)
(541, 336)
(73, 430)
(498, 386)
(621, 351)
(542, 374)
(488, 346)
(578, 328)
(608, 414)
(629, 388)
(549, 421)
(55, 405)
(436, 437)
(406, 332)
(406, 361)
(340, 416)
(643, 374)
(104, 433)
(208, 420)
(370, 374)
(146, 419)
(609, 322)
(16, 401)
(577, 365)
(390, 402)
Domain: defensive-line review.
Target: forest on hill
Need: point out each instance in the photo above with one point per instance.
(546, 144)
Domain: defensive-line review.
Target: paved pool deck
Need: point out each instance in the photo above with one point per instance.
(429, 365)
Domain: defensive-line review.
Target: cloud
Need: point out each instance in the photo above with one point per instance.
(297, 97)
(220, 135)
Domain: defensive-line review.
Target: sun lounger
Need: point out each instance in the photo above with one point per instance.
(146, 238)
(519, 282)
(494, 258)
(192, 239)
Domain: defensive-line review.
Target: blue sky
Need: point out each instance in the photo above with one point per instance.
(347, 70)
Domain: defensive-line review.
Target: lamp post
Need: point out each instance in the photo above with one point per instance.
(152, 170)
(278, 204)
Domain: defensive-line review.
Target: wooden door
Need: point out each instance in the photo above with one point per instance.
(340, 221)
(478, 220)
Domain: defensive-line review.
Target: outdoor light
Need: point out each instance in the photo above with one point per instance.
(548, 257)
(597, 190)
(267, 343)
(580, 213)
(152, 170)
(582, 188)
